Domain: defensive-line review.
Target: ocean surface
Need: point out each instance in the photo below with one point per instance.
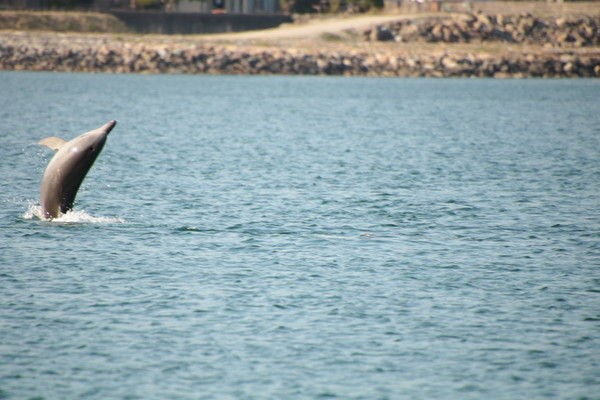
(303, 238)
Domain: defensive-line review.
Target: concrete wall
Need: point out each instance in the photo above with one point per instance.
(182, 23)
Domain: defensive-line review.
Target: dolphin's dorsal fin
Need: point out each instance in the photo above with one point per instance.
(53, 142)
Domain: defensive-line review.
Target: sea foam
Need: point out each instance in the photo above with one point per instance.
(34, 211)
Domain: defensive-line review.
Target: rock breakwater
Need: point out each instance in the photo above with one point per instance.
(94, 54)
(525, 28)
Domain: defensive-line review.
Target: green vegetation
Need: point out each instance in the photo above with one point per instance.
(149, 4)
(331, 37)
(329, 6)
(69, 4)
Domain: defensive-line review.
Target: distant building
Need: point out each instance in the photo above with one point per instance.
(229, 6)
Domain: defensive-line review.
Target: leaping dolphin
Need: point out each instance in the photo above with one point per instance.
(68, 167)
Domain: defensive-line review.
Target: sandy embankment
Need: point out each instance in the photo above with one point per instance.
(331, 46)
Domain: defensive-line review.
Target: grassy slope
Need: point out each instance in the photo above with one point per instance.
(60, 21)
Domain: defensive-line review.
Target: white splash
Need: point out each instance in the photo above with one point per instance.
(33, 211)
(72, 217)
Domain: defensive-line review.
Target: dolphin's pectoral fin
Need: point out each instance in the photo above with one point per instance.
(53, 142)
(64, 208)
(68, 199)
(71, 186)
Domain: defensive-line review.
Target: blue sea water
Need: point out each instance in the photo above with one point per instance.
(303, 238)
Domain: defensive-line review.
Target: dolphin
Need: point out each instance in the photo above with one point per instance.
(68, 167)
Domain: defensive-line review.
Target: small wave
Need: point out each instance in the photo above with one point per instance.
(33, 211)
(73, 216)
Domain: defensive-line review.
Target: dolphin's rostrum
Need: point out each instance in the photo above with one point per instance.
(68, 167)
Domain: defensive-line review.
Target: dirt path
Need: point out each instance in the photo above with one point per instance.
(311, 29)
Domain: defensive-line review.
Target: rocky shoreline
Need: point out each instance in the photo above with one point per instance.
(140, 54)
(128, 58)
(571, 31)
